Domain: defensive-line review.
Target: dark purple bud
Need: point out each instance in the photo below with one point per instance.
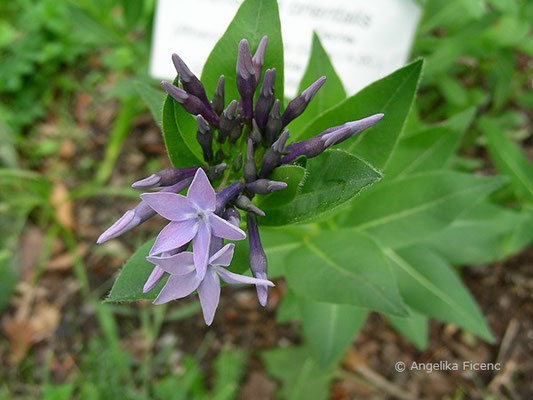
(190, 103)
(244, 203)
(246, 79)
(138, 215)
(227, 194)
(250, 170)
(259, 58)
(204, 136)
(265, 100)
(190, 82)
(166, 177)
(255, 134)
(236, 132)
(265, 186)
(331, 136)
(273, 155)
(215, 172)
(237, 162)
(257, 258)
(300, 103)
(274, 123)
(218, 98)
(228, 121)
(232, 216)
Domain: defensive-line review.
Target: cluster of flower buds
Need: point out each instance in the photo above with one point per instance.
(254, 126)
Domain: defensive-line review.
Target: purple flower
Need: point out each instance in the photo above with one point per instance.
(184, 280)
(192, 218)
(257, 258)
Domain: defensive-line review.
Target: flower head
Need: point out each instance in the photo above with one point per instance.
(192, 218)
(183, 279)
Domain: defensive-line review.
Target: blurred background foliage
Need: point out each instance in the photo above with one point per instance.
(70, 73)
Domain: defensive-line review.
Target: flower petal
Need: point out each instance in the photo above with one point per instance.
(171, 206)
(222, 228)
(200, 248)
(178, 264)
(174, 235)
(223, 256)
(178, 287)
(153, 279)
(201, 192)
(230, 277)
(209, 293)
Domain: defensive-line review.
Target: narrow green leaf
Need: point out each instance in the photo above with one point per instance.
(254, 19)
(153, 98)
(430, 286)
(332, 179)
(477, 236)
(406, 210)
(329, 95)
(429, 148)
(509, 159)
(522, 234)
(392, 95)
(344, 267)
(129, 284)
(414, 327)
(330, 328)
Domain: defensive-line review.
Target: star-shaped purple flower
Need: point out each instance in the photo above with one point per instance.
(192, 218)
(183, 279)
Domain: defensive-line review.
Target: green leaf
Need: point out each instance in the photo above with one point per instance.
(414, 327)
(298, 372)
(254, 19)
(129, 284)
(179, 153)
(522, 234)
(429, 148)
(406, 210)
(509, 159)
(344, 267)
(477, 236)
(329, 95)
(430, 286)
(330, 328)
(332, 179)
(153, 98)
(392, 96)
(290, 174)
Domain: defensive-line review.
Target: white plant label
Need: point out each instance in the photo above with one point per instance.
(366, 40)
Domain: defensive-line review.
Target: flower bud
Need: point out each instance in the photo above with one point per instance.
(265, 100)
(273, 155)
(218, 98)
(232, 216)
(250, 169)
(190, 82)
(190, 103)
(265, 186)
(259, 58)
(246, 79)
(244, 203)
(274, 124)
(297, 106)
(228, 121)
(204, 136)
(257, 258)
